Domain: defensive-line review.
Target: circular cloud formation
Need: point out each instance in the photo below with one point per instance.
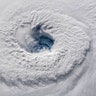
(40, 46)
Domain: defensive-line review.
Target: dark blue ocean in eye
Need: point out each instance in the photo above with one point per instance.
(43, 43)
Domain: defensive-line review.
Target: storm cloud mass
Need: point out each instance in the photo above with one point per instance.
(44, 46)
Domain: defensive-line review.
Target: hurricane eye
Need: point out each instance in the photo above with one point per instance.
(43, 40)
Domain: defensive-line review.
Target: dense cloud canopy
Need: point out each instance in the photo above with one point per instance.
(45, 45)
